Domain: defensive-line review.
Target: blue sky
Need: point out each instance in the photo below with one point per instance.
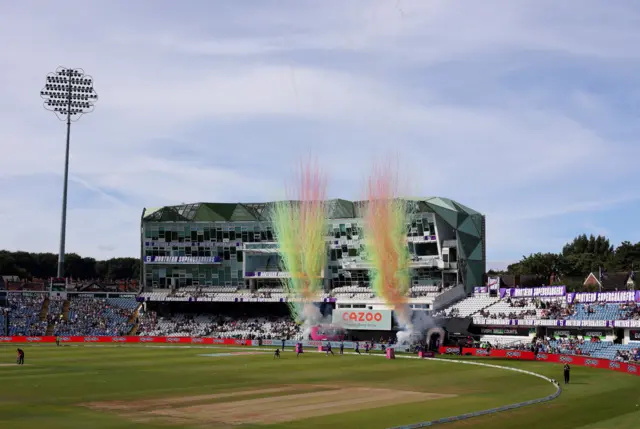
(524, 110)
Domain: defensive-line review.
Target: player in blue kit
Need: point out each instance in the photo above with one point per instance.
(329, 348)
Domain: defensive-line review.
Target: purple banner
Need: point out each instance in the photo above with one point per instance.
(207, 244)
(588, 297)
(493, 283)
(545, 291)
(182, 259)
(267, 274)
(560, 323)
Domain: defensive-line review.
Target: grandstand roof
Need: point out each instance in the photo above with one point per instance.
(452, 211)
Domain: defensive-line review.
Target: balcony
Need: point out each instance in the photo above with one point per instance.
(265, 247)
(416, 262)
(264, 274)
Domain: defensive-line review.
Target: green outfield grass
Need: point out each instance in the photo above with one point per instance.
(77, 386)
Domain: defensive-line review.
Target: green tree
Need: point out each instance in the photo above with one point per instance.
(587, 254)
(44, 265)
(540, 264)
(627, 256)
(581, 256)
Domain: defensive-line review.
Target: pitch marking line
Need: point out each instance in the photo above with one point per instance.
(491, 410)
(234, 354)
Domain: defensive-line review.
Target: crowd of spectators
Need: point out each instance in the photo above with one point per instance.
(518, 310)
(200, 293)
(24, 313)
(89, 316)
(54, 314)
(180, 325)
(627, 355)
(577, 346)
(258, 328)
(418, 291)
(189, 325)
(562, 345)
(3, 318)
(214, 293)
(631, 310)
(453, 312)
(523, 308)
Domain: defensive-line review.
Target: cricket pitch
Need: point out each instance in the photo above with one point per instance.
(278, 404)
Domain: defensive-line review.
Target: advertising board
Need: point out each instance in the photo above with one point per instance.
(523, 332)
(363, 319)
(628, 368)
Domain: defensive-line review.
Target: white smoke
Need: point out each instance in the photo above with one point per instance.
(311, 316)
(412, 324)
(403, 318)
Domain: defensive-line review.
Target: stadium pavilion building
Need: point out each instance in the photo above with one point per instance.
(222, 245)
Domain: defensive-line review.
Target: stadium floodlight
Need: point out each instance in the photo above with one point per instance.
(69, 94)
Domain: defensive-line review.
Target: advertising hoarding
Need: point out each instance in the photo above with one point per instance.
(363, 319)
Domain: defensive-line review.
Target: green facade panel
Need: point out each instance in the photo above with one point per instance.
(463, 208)
(340, 209)
(169, 214)
(476, 254)
(441, 202)
(462, 217)
(337, 209)
(477, 220)
(474, 273)
(449, 216)
(206, 214)
(468, 243)
(225, 210)
(467, 223)
(468, 227)
(241, 213)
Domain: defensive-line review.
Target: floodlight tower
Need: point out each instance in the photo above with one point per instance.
(69, 94)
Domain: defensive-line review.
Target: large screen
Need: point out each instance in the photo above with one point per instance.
(362, 319)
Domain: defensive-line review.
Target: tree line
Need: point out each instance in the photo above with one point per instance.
(28, 265)
(585, 254)
(580, 257)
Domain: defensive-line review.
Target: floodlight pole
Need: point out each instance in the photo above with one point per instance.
(69, 94)
(63, 227)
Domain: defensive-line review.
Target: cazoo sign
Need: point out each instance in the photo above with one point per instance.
(374, 320)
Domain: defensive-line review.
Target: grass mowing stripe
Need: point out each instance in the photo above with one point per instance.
(229, 397)
(598, 398)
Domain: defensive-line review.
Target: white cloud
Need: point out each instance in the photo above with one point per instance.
(473, 98)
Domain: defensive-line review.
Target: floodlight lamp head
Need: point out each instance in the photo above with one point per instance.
(69, 93)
